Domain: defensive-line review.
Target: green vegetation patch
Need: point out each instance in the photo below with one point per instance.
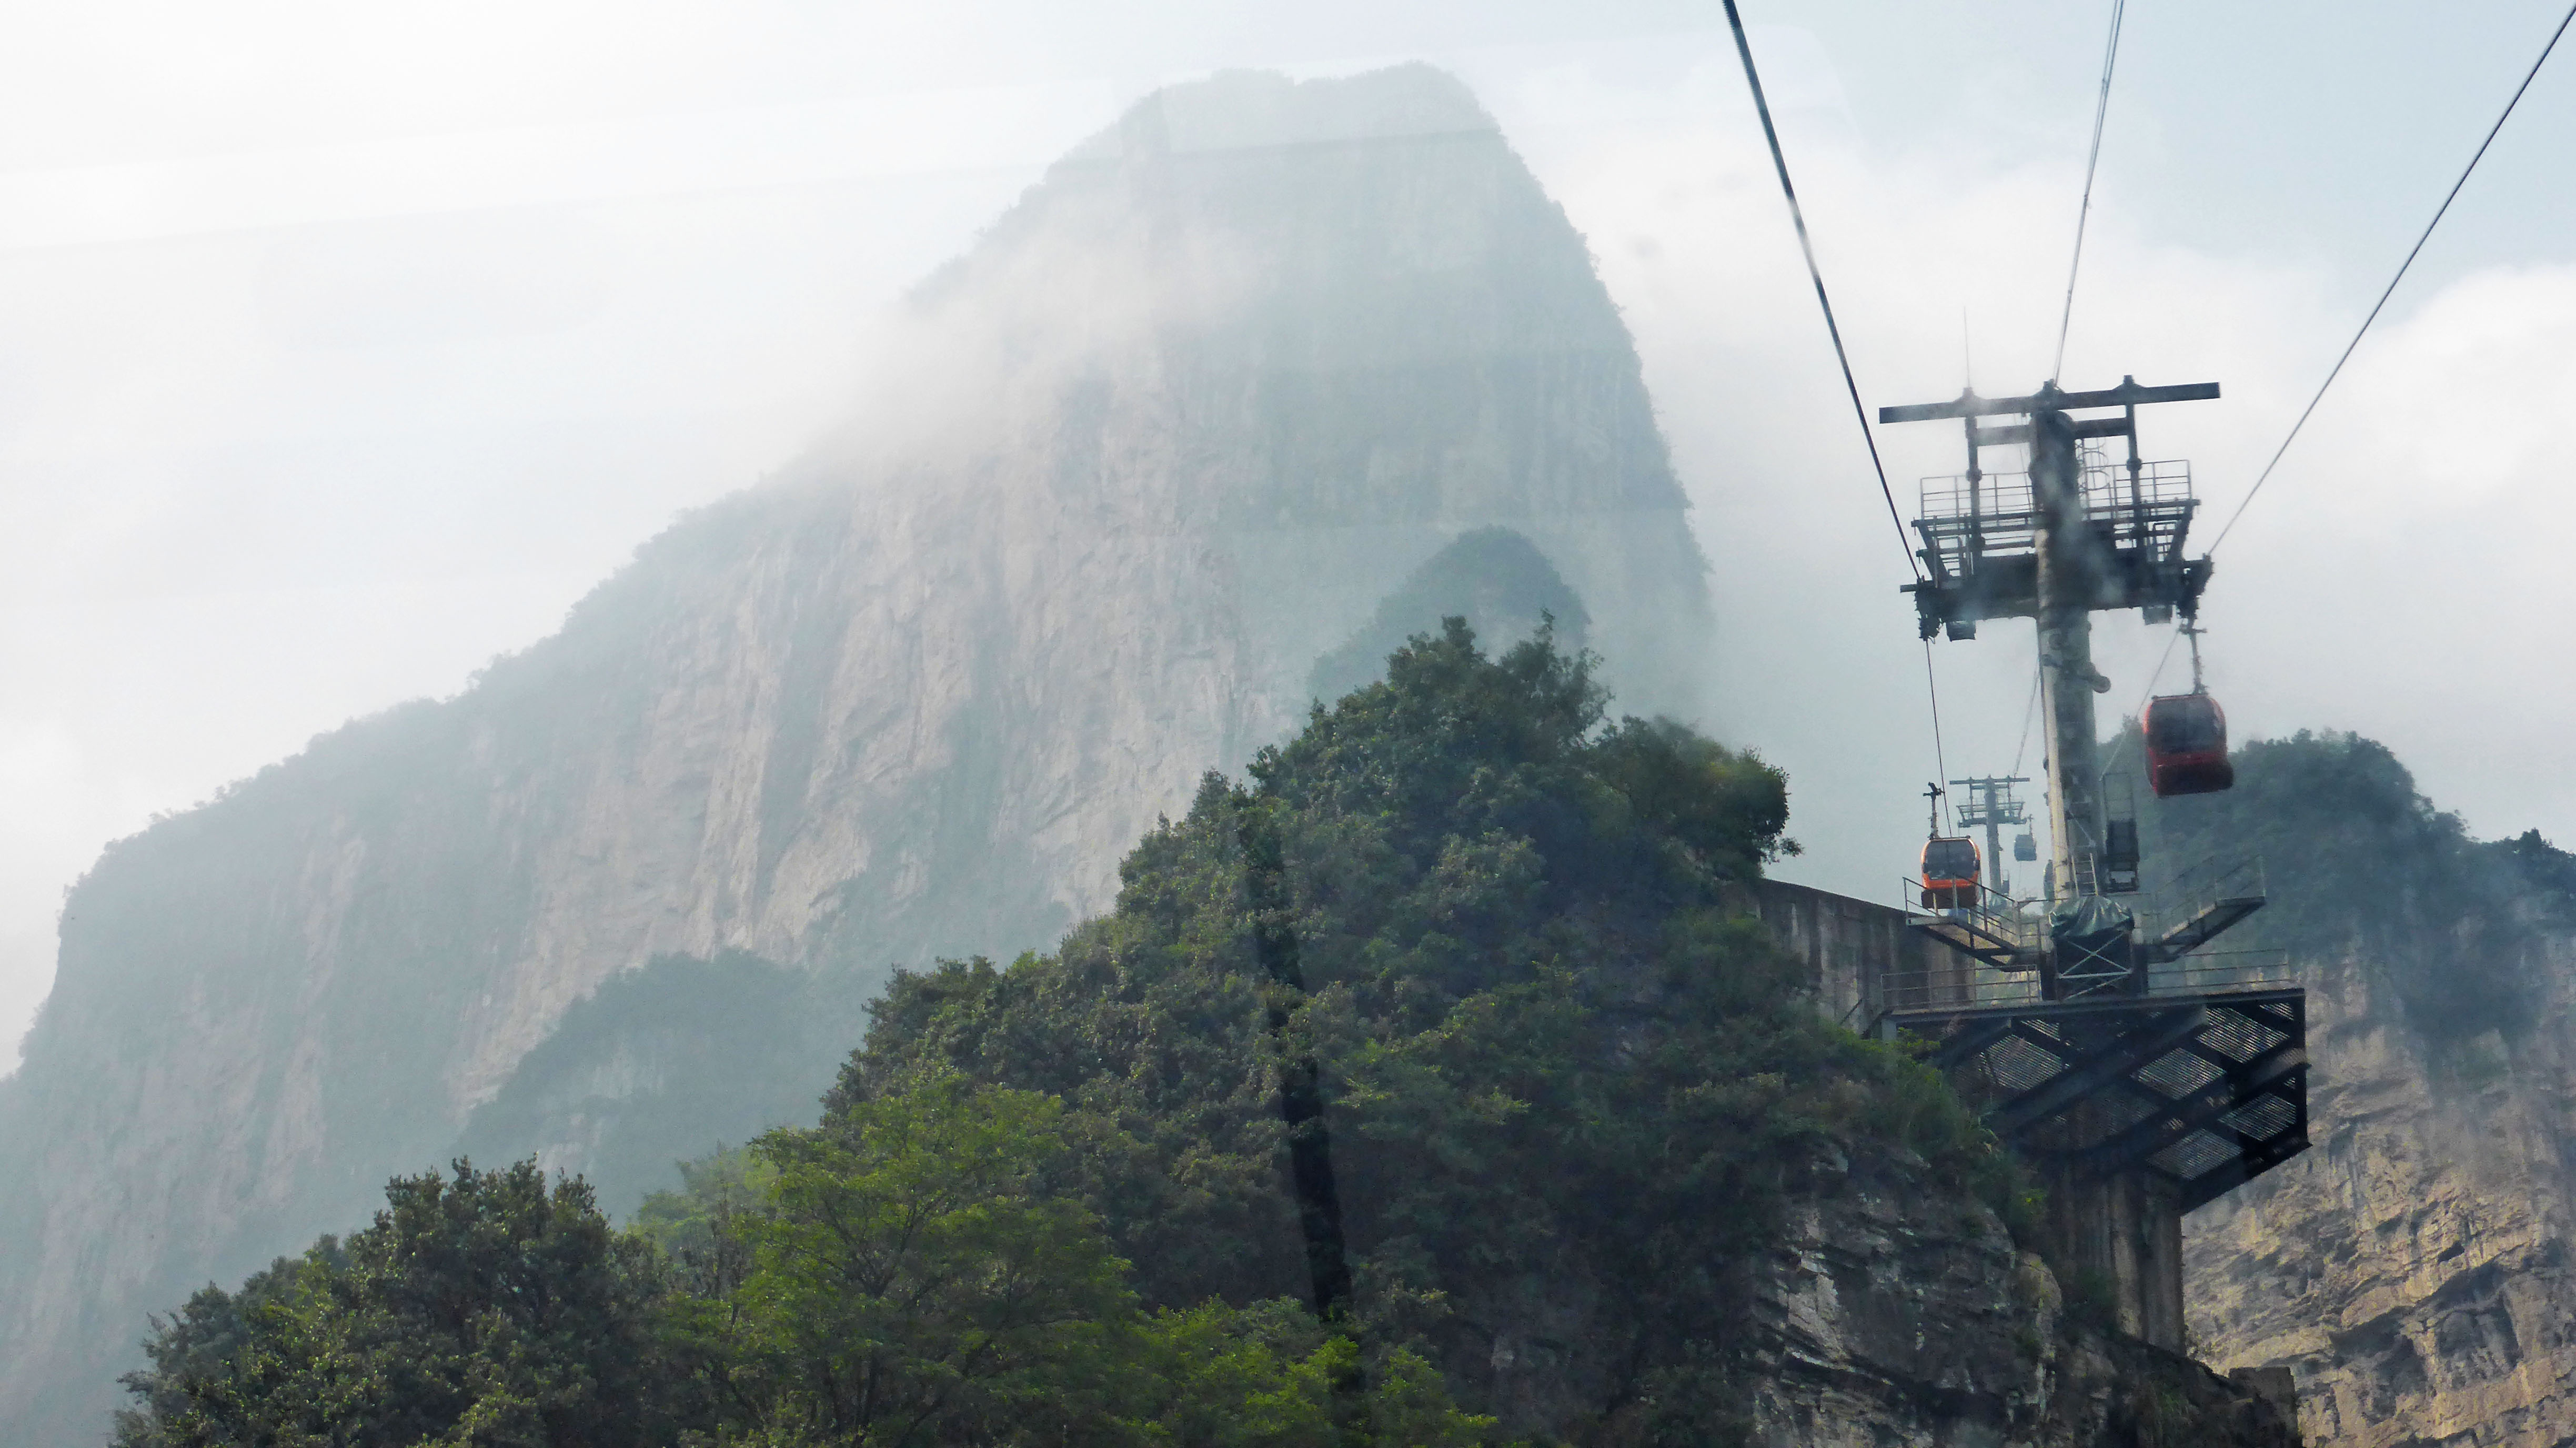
(1570, 1095)
(1568, 1084)
(2359, 863)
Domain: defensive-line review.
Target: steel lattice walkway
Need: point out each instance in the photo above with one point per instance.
(2205, 1091)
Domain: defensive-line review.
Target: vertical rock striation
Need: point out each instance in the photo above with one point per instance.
(1159, 442)
(2413, 1268)
(1887, 1326)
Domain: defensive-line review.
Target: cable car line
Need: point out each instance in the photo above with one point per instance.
(2165, 658)
(2092, 159)
(1806, 248)
(1798, 217)
(2139, 713)
(2438, 213)
(1934, 688)
(2029, 714)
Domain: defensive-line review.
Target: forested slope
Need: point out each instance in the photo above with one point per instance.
(1598, 1169)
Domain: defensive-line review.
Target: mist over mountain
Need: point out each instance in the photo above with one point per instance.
(1256, 384)
(1174, 434)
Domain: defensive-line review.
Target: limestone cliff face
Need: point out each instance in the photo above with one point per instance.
(2413, 1269)
(1886, 1320)
(1163, 439)
(1889, 1327)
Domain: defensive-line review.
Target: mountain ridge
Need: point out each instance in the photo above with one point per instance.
(1138, 460)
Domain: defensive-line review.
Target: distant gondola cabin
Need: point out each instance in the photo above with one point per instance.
(1950, 869)
(2187, 746)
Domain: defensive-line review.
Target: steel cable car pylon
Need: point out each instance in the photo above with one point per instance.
(2136, 1097)
(2055, 544)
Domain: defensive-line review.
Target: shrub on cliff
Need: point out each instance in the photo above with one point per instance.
(914, 1271)
(1568, 1083)
(921, 1268)
(2358, 861)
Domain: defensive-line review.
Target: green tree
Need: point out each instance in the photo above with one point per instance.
(923, 1271)
(195, 1350)
(2359, 863)
(1571, 1083)
(1572, 1089)
(916, 1280)
(484, 1309)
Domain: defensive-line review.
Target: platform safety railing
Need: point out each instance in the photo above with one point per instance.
(1996, 514)
(1998, 944)
(1978, 911)
(1969, 986)
(2216, 892)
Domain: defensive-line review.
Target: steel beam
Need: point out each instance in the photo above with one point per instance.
(2238, 1088)
(2127, 394)
(2088, 1073)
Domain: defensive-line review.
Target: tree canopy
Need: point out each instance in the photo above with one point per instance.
(2360, 863)
(1570, 1087)
(1569, 1078)
(481, 1308)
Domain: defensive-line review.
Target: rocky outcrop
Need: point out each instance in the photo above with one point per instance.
(1162, 440)
(1884, 1325)
(2413, 1269)
(1887, 1320)
(2410, 1270)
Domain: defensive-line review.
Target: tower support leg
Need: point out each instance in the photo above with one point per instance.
(2067, 678)
(2118, 1236)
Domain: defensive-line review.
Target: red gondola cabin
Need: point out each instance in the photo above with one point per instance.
(2187, 746)
(1950, 868)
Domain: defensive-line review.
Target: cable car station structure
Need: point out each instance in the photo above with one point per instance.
(2139, 1076)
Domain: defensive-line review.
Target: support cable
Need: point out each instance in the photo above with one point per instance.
(2092, 159)
(2029, 714)
(2438, 212)
(1806, 248)
(1798, 217)
(1934, 688)
(2140, 712)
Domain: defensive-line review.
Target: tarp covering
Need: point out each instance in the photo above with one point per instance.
(2091, 935)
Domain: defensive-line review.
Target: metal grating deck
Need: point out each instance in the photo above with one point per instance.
(2208, 1091)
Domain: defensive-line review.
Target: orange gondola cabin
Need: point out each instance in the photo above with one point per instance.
(1950, 869)
(2187, 746)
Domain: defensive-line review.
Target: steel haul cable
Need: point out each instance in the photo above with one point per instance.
(2092, 159)
(2349, 347)
(1939, 759)
(2438, 212)
(1806, 248)
(2139, 714)
(2029, 712)
(1798, 217)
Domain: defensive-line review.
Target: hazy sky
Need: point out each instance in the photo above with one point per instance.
(342, 348)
